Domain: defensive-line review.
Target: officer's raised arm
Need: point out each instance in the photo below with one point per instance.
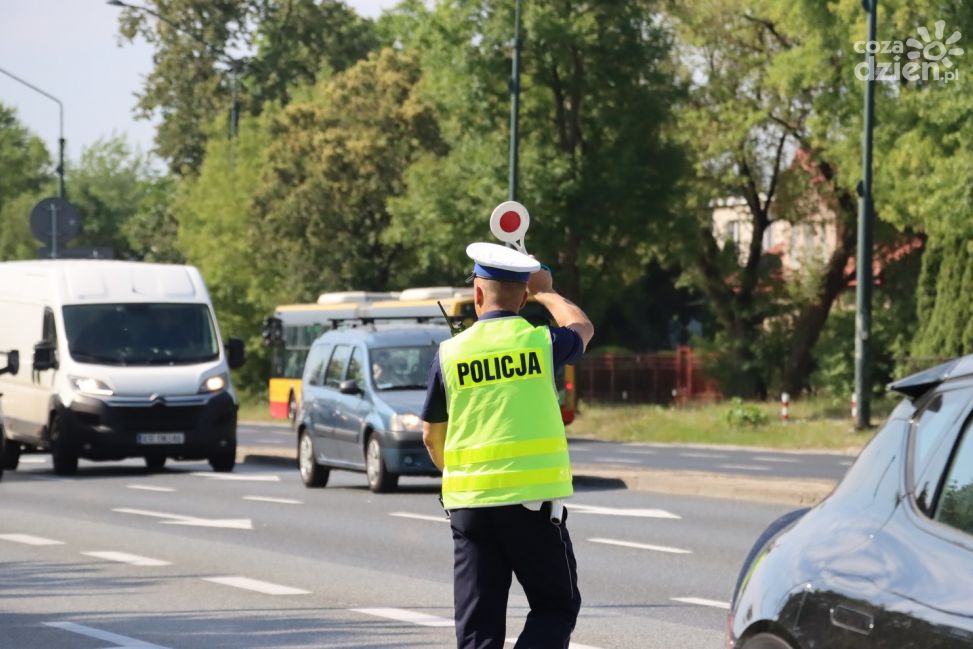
(565, 313)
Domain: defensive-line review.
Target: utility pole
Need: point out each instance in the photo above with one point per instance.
(863, 274)
(60, 136)
(514, 109)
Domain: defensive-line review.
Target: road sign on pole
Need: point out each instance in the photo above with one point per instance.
(54, 221)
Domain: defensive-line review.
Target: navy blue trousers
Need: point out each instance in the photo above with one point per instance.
(491, 544)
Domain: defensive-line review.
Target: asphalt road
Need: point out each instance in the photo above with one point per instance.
(754, 463)
(118, 557)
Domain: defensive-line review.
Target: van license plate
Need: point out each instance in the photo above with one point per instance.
(162, 438)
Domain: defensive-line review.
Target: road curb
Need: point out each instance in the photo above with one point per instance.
(682, 483)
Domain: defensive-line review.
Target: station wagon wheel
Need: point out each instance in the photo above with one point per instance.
(312, 473)
(380, 480)
(765, 641)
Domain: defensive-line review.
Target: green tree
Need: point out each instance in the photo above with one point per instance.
(334, 162)
(25, 177)
(213, 212)
(198, 59)
(595, 167)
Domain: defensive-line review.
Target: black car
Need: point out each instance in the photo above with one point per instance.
(886, 561)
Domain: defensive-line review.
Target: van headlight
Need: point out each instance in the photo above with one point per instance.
(213, 384)
(409, 423)
(88, 385)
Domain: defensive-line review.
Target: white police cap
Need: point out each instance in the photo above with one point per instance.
(493, 261)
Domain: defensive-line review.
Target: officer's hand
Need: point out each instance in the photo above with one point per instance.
(540, 282)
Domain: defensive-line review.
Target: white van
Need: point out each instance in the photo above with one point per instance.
(117, 359)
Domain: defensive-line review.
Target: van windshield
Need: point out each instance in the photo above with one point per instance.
(401, 368)
(140, 334)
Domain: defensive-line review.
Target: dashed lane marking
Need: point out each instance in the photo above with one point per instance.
(702, 601)
(642, 546)
(621, 511)
(121, 641)
(744, 467)
(27, 539)
(704, 456)
(179, 519)
(573, 645)
(403, 615)
(145, 487)
(420, 517)
(268, 499)
(131, 559)
(256, 585)
(240, 477)
(845, 463)
(615, 460)
(782, 460)
(637, 451)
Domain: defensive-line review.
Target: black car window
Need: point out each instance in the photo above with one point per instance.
(314, 368)
(955, 503)
(928, 429)
(356, 370)
(336, 368)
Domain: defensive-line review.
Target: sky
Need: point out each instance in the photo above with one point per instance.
(70, 49)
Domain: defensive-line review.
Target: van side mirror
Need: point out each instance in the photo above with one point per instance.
(13, 362)
(45, 356)
(236, 354)
(349, 387)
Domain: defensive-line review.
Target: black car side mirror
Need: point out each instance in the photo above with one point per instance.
(236, 353)
(349, 387)
(13, 362)
(45, 356)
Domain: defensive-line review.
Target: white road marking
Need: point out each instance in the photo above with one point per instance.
(846, 463)
(642, 546)
(145, 487)
(276, 440)
(27, 539)
(131, 559)
(620, 511)
(744, 467)
(179, 519)
(241, 477)
(783, 460)
(705, 456)
(420, 517)
(403, 615)
(573, 645)
(614, 460)
(638, 451)
(123, 642)
(256, 585)
(34, 460)
(701, 601)
(268, 499)
(582, 449)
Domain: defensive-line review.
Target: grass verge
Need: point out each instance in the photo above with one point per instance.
(813, 424)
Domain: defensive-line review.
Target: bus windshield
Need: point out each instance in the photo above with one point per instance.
(140, 334)
(402, 368)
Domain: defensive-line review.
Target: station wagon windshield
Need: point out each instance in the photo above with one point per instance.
(402, 368)
(140, 334)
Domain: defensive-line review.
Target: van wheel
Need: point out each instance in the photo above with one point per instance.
(63, 456)
(380, 480)
(765, 641)
(312, 474)
(224, 459)
(9, 453)
(155, 462)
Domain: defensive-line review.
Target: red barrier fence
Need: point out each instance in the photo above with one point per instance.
(661, 377)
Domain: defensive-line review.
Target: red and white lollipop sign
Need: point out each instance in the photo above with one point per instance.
(509, 223)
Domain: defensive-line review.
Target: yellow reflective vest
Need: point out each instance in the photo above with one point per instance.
(505, 440)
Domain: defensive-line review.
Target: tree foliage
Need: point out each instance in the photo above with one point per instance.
(335, 160)
(25, 176)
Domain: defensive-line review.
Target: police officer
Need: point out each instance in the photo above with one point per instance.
(493, 426)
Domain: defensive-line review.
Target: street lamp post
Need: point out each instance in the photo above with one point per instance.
(863, 274)
(232, 64)
(60, 137)
(514, 108)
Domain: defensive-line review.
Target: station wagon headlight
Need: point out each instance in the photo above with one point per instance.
(87, 385)
(406, 423)
(213, 384)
